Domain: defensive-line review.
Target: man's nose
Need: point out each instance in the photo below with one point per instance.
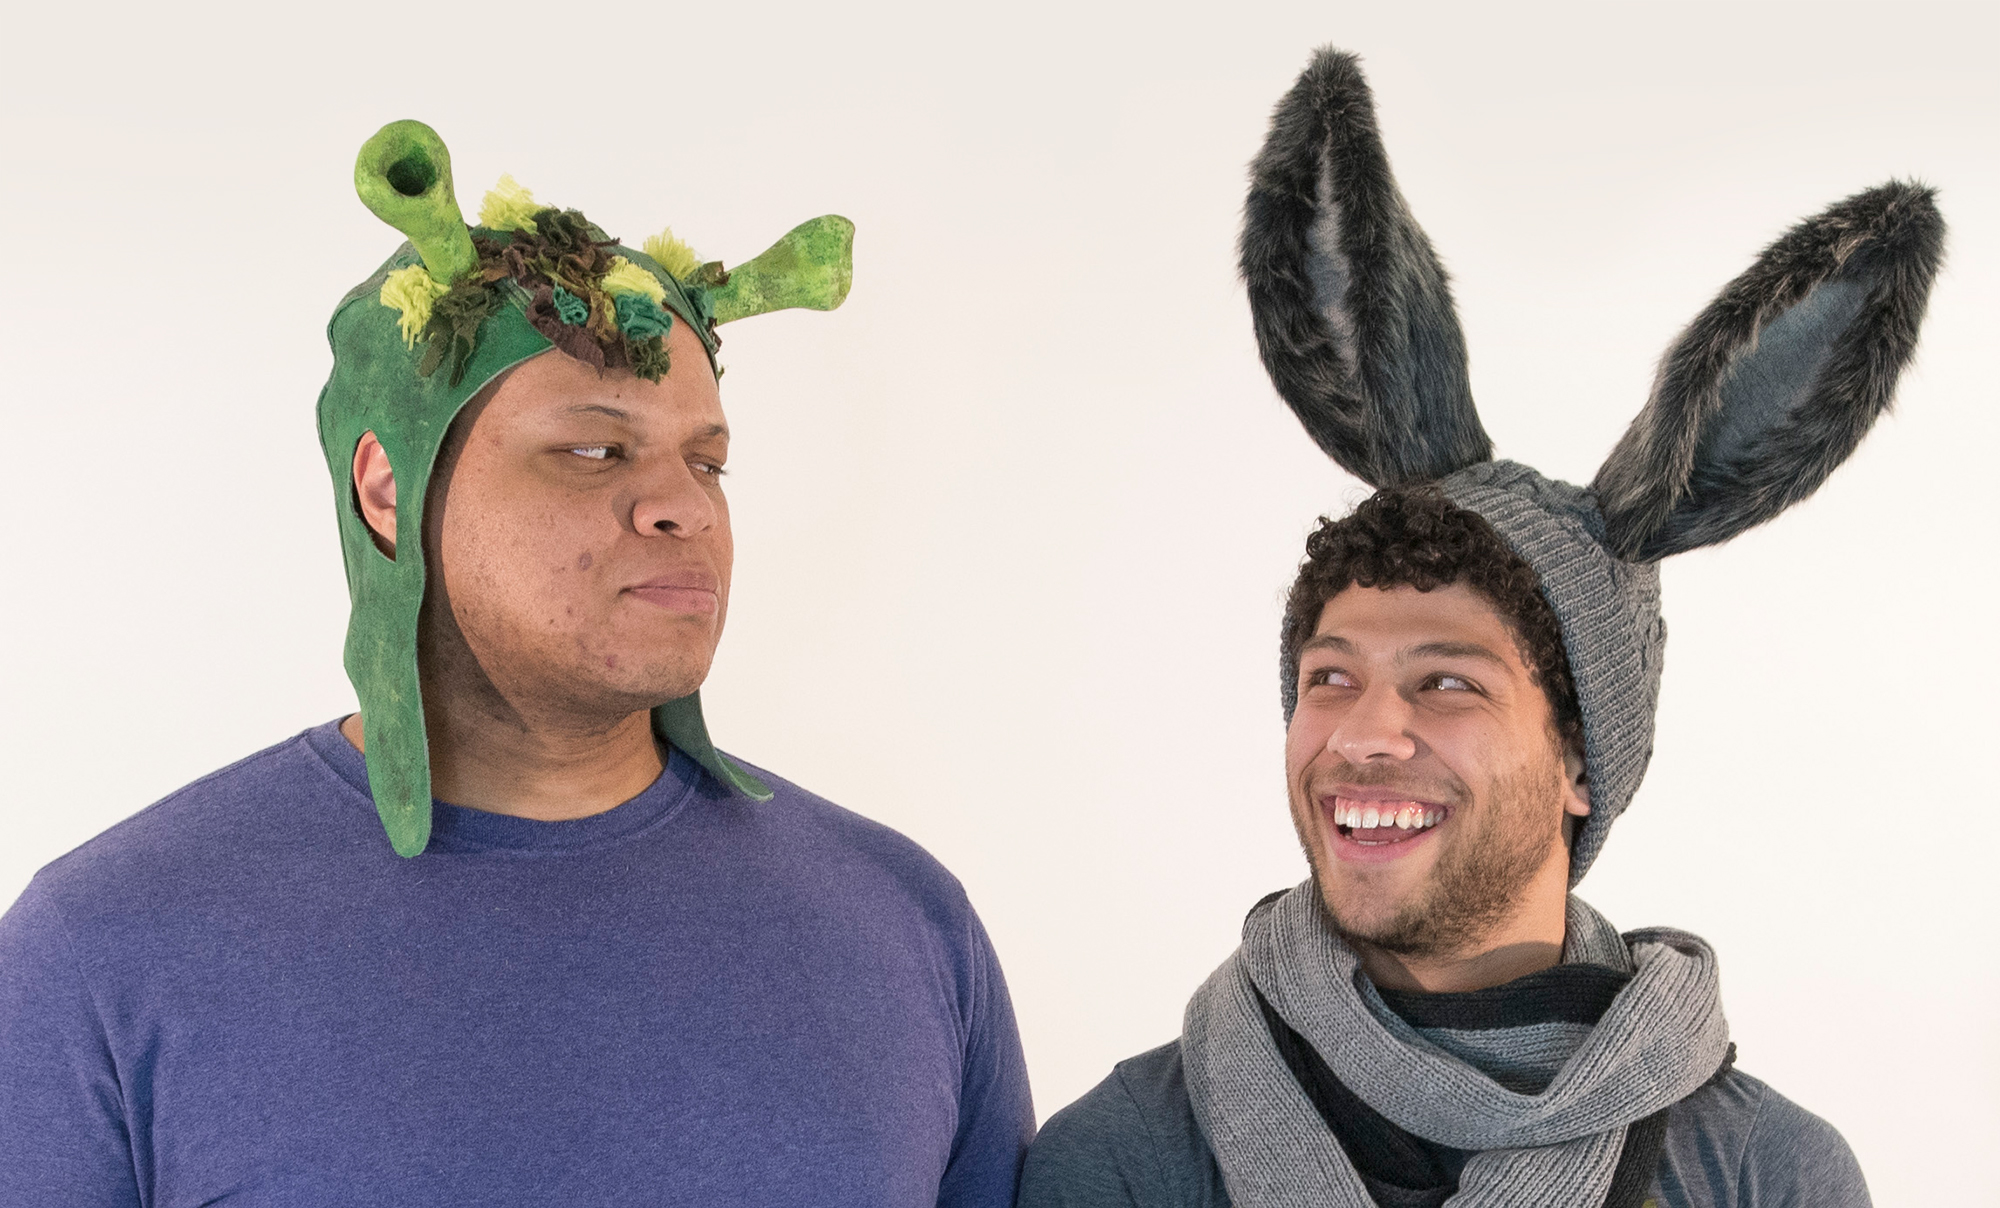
(1375, 727)
(674, 502)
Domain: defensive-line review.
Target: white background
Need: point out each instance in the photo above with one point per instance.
(1014, 524)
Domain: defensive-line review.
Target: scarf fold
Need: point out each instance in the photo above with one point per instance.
(1662, 1036)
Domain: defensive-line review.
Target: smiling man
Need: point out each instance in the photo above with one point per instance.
(1469, 666)
(1435, 754)
(516, 932)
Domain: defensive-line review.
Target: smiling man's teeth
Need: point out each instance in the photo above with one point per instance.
(1409, 816)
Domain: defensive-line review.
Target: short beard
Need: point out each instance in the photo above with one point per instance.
(1477, 883)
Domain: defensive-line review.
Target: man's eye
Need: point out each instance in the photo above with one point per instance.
(1329, 675)
(709, 469)
(593, 452)
(1453, 683)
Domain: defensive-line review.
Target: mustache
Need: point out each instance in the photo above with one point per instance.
(1445, 789)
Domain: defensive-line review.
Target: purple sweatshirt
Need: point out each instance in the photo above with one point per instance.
(241, 996)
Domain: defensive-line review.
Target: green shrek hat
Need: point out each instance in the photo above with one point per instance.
(450, 312)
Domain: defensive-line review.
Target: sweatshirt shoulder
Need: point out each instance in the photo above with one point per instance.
(1740, 1142)
(1131, 1140)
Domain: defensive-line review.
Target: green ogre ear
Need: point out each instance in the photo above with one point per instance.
(404, 175)
(812, 267)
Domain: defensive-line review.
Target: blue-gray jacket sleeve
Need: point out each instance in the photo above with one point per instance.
(1131, 1142)
(63, 1140)
(996, 1117)
(1797, 1160)
(1736, 1143)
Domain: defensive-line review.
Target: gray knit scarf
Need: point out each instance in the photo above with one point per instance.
(1662, 1037)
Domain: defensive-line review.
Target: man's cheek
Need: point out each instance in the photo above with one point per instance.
(1302, 743)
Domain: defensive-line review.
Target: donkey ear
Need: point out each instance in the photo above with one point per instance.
(1777, 381)
(1353, 316)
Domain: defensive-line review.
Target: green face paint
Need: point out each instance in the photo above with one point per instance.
(403, 174)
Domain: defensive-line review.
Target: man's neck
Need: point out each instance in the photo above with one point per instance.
(548, 772)
(1491, 967)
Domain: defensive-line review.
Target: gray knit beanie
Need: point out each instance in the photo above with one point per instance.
(1770, 387)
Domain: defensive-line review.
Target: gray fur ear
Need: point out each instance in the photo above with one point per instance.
(1777, 381)
(1353, 315)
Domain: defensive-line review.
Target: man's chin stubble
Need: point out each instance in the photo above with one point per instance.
(1462, 902)
(1422, 929)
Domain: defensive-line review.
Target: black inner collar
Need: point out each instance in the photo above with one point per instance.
(1559, 994)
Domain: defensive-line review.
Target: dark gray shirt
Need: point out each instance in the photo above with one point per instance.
(1132, 1142)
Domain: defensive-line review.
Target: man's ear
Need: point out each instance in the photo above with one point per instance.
(375, 492)
(1576, 782)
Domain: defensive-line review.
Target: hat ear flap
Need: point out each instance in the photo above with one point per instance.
(1778, 379)
(1353, 315)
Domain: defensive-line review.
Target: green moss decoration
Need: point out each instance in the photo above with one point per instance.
(453, 331)
(509, 206)
(595, 304)
(641, 318)
(570, 308)
(649, 359)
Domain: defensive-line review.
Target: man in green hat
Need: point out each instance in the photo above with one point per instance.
(516, 932)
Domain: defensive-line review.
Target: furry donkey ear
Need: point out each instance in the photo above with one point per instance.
(1777, 381)
(1353, 316)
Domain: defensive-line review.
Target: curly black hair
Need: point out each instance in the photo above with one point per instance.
(1415, 537)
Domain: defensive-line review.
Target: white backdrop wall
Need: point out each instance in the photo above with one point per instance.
(1014, 524)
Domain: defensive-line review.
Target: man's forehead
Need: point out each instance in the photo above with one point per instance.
(1450, 621)
(553, 386)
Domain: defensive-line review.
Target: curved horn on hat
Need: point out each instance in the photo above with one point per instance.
(403, 174)
(812, 267)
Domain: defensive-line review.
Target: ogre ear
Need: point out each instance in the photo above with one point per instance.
(812, 267)
(1353, 316)
(1777, 381)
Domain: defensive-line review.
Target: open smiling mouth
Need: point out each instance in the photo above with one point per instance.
(1382, 823)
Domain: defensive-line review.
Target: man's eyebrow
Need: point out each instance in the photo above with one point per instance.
(707, 433)
(1328, 641)
(1449, 650)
